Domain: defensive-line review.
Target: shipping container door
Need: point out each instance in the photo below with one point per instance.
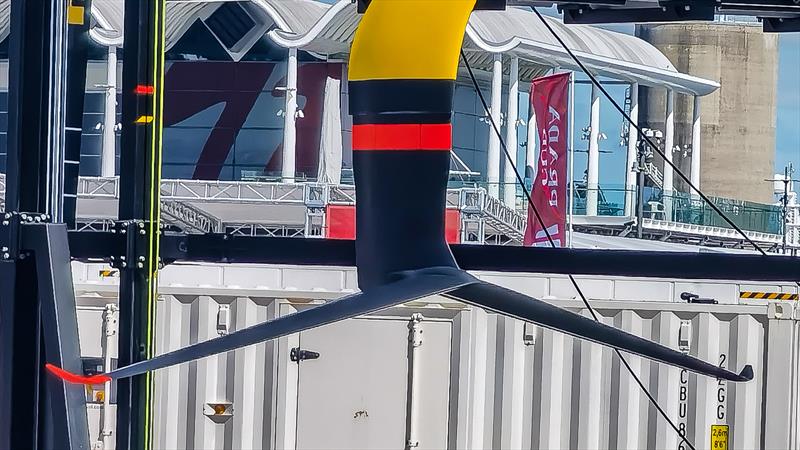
(355, 394)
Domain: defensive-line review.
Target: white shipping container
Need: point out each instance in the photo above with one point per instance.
(477, 380)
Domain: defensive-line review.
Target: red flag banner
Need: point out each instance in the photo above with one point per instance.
(549, 100)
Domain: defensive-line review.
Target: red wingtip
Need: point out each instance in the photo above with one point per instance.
(76, 379)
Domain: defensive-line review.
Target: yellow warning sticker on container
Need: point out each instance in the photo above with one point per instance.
(768, 295)
(75, 15)
(719, 437)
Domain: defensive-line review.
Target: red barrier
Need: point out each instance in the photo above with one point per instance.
(452, 226)
(341, 222)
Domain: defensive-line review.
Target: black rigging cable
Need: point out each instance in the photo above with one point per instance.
(644, 136)
(589, 307)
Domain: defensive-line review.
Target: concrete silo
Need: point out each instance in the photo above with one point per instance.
(738, 120)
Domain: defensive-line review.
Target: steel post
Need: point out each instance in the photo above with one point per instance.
(509, 175)
(139, 210)
(669, 144)
(493, 162)
(593, 170)
(631, 160)
(290, 120)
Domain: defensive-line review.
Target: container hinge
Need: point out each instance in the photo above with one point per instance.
(297, 355)
(781, 311)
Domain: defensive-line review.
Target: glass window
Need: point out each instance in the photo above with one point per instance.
(475, 160)
(200, 76)
(177, 171)
(265, 112)
(464, 100)
(90, 166)
(259, 76)
(91, 145)
(205, 118)
(257, 146)
(463, 130)
(245, 172)
(92, 123)
(184, 145)
(187, 171)
(482, 135)
(94, 102)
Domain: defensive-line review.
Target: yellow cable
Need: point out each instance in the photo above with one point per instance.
(155, 200)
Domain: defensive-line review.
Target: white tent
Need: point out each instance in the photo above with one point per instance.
(330, 144)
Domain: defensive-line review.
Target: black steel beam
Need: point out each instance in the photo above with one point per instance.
(140, 164)
(28, 109)
(26, 190)
(669, 13)
(37, 305)
(62, 405)
(622, 11)
(782, 25)
(219, 248)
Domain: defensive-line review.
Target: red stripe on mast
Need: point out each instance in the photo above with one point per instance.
(144, 90)
(405, 136)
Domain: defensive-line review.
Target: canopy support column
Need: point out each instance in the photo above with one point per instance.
(695, 177)
(669, 144)
(630, 162)
(493, 163)
(592, 174)
(509, 176)
(289, 120)
(530, 146)
(108, 160)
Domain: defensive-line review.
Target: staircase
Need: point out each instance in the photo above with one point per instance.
(189, 218)
(494, 212)
(654, 173)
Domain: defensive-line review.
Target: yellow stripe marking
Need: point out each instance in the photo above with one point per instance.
(769, 295)
(409, 39)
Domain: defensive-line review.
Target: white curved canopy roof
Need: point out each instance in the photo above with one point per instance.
(108, 23)
(519, 32)
(107, 19)
(108, 29)
(289, 15)
(323, 29)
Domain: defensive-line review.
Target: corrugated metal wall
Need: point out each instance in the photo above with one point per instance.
(244, 377)
(577, 394)
(546, 391)
(507, 384)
